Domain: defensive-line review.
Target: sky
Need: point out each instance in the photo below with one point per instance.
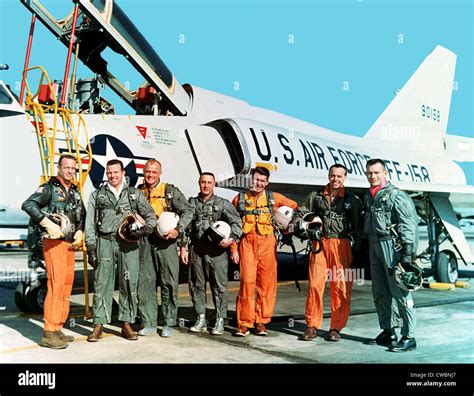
(335, 63)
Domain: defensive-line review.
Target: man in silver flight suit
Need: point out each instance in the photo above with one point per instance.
(208, 259)
(108, 207)
(391, 224)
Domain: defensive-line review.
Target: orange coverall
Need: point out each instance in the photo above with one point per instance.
(57, 197)
(332, 264)
(258, 264)
(335, 257)
(59, 260)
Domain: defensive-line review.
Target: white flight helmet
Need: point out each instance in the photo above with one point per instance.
(132, 222)
(310, 226)
(282, 217)
(166, 222)
(219, 231)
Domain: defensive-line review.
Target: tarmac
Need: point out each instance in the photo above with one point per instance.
(444, 332)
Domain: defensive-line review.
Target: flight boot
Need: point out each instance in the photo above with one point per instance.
(97, 333)
(147, 331)
(51, 340)
(64, 337)
(310, 334)
(218, 327)
(128, 333)
(200, 325)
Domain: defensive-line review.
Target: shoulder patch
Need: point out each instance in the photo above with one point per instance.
(39, 190)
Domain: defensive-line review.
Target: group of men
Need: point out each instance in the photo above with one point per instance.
(251, 242)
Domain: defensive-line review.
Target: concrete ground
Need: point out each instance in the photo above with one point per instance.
(445, 323)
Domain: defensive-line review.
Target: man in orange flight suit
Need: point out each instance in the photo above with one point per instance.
(340, 212)
(58, 196)
(257, 253)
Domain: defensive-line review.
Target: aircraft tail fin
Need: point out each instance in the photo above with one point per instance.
(418, 116)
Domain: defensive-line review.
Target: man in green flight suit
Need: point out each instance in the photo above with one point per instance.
(160, 254)
(208, 258)
(391, 225)
(109, 205)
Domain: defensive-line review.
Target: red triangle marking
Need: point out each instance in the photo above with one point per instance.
(142, 130)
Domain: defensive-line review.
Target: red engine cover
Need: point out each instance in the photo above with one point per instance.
(45, 96)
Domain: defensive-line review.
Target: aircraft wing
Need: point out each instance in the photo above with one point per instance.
(13, 224)
(460, 148)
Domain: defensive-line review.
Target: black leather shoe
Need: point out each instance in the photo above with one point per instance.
(404, 345)
(386, 338)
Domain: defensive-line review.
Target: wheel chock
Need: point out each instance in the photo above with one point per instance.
(462, 284)
(441, 286)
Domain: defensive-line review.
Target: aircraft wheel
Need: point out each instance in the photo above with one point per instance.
(20, 297)
(42, 296)
(35, 296)
(446, 267)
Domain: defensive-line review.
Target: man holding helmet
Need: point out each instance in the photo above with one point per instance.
(159, 253)
(118, 215)
(339, 213)
(57, 210)
(391, 224)
(215, 226)
(256, 253)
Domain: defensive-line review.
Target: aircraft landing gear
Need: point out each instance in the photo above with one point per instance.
(444, 264)
(30, 295)
(446, 268)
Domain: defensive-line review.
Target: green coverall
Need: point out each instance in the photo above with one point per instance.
(160, 255)
(208, 261)
(104, 215)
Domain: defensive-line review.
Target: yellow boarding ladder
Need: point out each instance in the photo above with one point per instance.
(59, 131)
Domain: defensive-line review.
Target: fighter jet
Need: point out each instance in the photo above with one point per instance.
(191, 129)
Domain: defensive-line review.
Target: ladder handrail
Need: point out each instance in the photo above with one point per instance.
(47, 136)
(76, 140)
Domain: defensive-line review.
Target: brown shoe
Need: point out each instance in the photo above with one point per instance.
(51, 340)
(310, 334)
(334, 335)
(128, 333)
(64, 337)
(242, 331)
(260, 330)
(96, 334)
